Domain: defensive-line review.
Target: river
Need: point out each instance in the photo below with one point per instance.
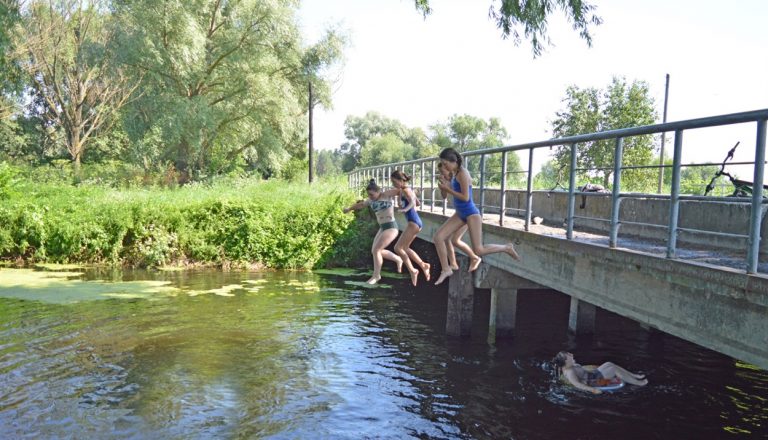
(208, 354)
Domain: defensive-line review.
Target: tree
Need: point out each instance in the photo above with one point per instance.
(328, 162)
(360, 129)
(467, 133)
(10, 77)
(77, 86)
(530, 17)
(591, 110)
(225, 82)
(387, 148)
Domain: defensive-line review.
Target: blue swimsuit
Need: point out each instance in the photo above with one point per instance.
(411, 215)
(463, 209)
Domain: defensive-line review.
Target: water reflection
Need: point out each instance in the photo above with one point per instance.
(298, 355)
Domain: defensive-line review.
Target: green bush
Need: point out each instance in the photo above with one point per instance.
(277, 224)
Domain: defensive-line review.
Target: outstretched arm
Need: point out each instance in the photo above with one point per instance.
(359, 205)
(390, 193)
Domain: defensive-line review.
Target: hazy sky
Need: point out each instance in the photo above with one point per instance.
(421, 71)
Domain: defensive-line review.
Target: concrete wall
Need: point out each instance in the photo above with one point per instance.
(719, 308)
(732, 218)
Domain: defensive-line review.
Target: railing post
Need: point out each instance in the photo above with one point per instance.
(674, 195)
(503, 204)
(571, 193)
(432, 185)
(529, 191)
(482, 183)
(618, 156)
(753, 256)
(421, 184)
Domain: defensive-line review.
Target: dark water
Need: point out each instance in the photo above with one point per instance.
(296, 355)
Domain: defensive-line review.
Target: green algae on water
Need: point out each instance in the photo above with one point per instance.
(65, 287)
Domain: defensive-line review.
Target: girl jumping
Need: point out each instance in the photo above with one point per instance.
(403, 246)
(382, 206)
(460, 187)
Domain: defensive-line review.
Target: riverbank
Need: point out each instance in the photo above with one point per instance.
(230, 223)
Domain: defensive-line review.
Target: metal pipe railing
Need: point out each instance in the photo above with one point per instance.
(358, 177)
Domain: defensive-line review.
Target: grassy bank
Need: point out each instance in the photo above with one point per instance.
(274, 224)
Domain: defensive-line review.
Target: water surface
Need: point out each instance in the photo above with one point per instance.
(209, 354)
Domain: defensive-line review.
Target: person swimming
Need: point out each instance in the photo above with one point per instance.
(382, 206)
(460, 187)
(413, 226)
(588, 379)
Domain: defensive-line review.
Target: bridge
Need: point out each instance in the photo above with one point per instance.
(687, 265)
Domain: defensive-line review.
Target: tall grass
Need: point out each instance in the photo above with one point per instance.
(276, 224)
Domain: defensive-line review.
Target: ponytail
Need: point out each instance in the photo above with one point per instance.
(372, 186)
(399, 175)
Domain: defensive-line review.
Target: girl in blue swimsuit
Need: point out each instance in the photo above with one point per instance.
(466, 213)
(381, 204)
(413, 226)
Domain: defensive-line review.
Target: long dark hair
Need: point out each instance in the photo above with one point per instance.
(399, 175)
(372, 186)
(451, 155)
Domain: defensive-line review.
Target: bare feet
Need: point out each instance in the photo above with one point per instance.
(512, 253)
(454, 266)
(400, 265)
(373, 280)
(443, 275)
(474, 263)
(425, 268)
(414, 276)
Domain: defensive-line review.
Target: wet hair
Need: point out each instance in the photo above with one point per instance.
(372, 186)
(399, 175)
(559, 359)
(451, 155)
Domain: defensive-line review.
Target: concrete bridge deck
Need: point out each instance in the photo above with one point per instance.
(707, 255)
(721, 308)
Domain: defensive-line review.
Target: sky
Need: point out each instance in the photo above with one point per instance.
(423, 70)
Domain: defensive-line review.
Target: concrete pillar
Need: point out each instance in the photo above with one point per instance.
(501, 321)
(461, 296)
(582, 317)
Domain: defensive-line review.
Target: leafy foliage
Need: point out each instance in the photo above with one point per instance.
(530, 18)
(591, 110)
(274, 223)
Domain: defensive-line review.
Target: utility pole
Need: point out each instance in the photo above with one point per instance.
(311, 149)
(661, 152)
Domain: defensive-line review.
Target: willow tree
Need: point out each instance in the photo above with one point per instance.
(528, 19)
(62, 47)
(225, 82)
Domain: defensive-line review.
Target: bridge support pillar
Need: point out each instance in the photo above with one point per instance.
(581, 319)
(461, 297)
(501, 321)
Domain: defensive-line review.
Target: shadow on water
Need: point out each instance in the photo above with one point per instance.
(301, 355)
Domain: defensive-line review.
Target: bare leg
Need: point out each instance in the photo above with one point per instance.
(441, 236)
(402, 248)
(475, 224)
(610, 370)
(451, 254)
(380, 242)
(474, 260)
(414, 256)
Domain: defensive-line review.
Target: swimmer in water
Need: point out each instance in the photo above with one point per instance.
(586, 380)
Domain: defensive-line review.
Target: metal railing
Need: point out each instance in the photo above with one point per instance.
(358, 177)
